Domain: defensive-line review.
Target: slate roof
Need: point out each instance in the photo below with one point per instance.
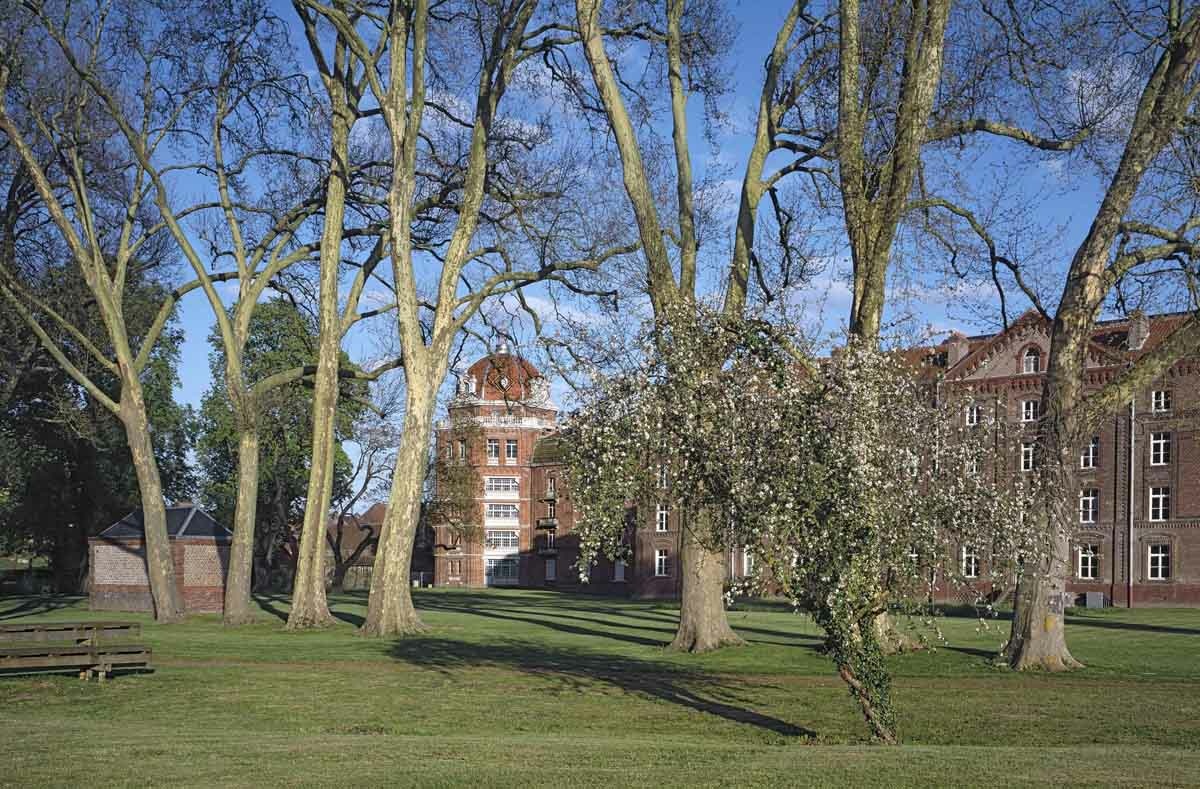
(185, 520)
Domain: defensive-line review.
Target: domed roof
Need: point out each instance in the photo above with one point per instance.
(502, 376)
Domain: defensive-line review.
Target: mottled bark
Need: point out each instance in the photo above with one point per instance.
(703, 624)
(168, 602)
(241, 553)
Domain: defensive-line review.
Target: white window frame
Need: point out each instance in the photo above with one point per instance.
(662, 518)
(502, 539)
(1159, 501)
(462, 449)
(1089, 505)
(747, 562)
(551, 486)
(493, 451)
(663, 477)
(551, 509)
(501, 485)
(1160, 449)
(1160, 401)
(1028, 462)
(662, 563)
(1090, 454)
(1159, 570)
(1087, 562)
(973, 413)
(1036, 355)
(510, 450)
(1031, 410)
(969, 562)
(490, 565)
(502, 512)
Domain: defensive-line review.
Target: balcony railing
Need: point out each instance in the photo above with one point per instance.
(547, 523)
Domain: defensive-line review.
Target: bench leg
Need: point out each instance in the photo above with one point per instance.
(83, 675)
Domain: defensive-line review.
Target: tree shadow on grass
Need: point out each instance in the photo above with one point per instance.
(560, 616)
(581, 670)
(19, 607)
(1110, 624)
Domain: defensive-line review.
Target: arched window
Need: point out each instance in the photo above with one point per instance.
(1032, 361)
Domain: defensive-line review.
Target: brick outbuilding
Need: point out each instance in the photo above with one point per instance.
(199, 548)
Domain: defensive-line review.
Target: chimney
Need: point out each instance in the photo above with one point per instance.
(957, 348)
(1139, 330)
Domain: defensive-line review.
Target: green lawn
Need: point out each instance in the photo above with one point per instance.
(527, 688)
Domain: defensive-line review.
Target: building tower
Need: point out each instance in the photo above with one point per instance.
(500, 410)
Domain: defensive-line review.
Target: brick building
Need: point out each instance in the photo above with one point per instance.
(1138, 531)
(199, 549)
(1137, 526)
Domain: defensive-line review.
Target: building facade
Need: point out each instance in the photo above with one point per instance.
(1136, 538)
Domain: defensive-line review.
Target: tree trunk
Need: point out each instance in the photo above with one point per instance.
(703, 625)
(1037, 639)
(390, 610)
(168, 602)
(241, 553)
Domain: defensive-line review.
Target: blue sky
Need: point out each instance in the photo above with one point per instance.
(1064, 198)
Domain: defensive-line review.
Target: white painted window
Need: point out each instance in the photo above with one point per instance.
(550, 538)
(462, 449)
(619, 570)
(551, 509)
(1089, 505)
(663, 477)
(1032, 361)
(1160, 449)
(499, 539)
(973, 467)
(1090, 454)
(747, 563)
(552, 569)
(1031, 410)
(501, 485)
(502, 511)
(1027, 456)
(1088, 566)
(973, 413)
(1159, 562)
(662, 563)
(1160, 504)
(551, 486)
(970, 563)
(1160, 401)
(493, 450)
(662, 518)
(510, 450)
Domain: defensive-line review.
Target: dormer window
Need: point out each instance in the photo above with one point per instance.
(1031, 362)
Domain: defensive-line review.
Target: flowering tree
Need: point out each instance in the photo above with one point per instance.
(852, 482)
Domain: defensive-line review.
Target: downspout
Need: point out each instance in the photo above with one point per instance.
(1129, 507)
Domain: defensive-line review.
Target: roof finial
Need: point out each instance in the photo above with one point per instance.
(503, 347)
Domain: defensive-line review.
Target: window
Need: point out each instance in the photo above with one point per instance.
(501, 485)
(493, 450)
(503, 511)
(1027, 457)
(499, 539)
(552, 569)
(1160, 401)
(1160, 504)
(455, 567)
(662, 517)
(1032, 361)
(1159, 562)
(510, 450)
(1030, 410)
(551, 509)
(550, 538)
(973, 412)
(1160, 449)
(1089, 505)
(973, 467)
(662, 563)
(501, 571)
(1090, 453)
(1088, 567)
(662, 476)
(747, 563)
(970, 563)
(462, 449)
(551, 486)
(619, 570)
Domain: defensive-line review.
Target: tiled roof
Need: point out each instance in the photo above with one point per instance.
(185, 520)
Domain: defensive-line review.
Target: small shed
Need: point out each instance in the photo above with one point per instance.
(199, 548)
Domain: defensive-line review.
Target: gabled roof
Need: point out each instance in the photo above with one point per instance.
(184, 520)
(1102, 352)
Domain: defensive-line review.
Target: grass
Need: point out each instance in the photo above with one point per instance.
(524, 688)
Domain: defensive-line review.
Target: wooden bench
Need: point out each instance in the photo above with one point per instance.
(91, 648)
